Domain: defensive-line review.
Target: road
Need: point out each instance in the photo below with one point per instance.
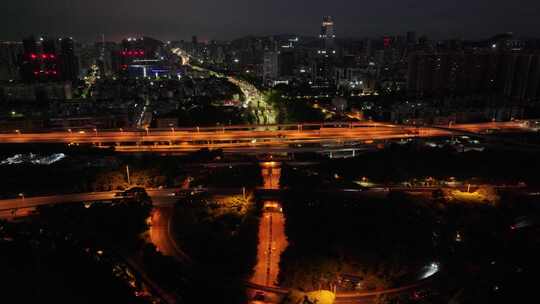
(272, 237)
(161, 235)
(160, 198)
(272, 242)
(248, 138)
(255, 100)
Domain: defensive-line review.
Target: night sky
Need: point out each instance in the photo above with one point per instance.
(218, 19)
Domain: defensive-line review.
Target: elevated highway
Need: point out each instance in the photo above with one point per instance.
(318, 137)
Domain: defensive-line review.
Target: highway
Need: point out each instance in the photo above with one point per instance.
(249, 138)
(255, 100)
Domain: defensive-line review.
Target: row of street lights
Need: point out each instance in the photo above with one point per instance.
(146, 129)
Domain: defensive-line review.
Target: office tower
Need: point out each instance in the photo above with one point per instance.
(322, 69)
(270, 65)
(68, 60)
(29, 64)
(50, 63)
(328, 34)
(39, 61)
(9, 57)
(287, 63)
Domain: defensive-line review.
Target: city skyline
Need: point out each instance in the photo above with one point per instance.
(250, 152)
(174, 21)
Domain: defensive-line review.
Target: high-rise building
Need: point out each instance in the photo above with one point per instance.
(69, 63)
(142, 57)
(39, 61)
(9, 57)
(327, 34)
(322, 67)
(286, 63)
(270, 66)
(29, 65)
(50, 61)
(510, 74)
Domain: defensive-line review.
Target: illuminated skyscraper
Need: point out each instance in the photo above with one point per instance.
(327, 52)
(327, 33)
(39, 61)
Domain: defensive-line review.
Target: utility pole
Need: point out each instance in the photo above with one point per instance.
(127, 173)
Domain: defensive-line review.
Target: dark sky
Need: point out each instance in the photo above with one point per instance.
(219, 19)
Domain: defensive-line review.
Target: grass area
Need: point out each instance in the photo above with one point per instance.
(482, 195)
(319, 297)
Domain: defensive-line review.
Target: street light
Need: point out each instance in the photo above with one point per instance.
(22, 196)
(128, 177)
(18, 131)
(69, 130)
(95, 130)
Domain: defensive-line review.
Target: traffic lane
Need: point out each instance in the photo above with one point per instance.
(162, 197)
(27, 202)
(191, 136)
(159, 234)
(111, 135)
(260, 275)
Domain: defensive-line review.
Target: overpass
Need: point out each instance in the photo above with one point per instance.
(316, 137)
(22, 206)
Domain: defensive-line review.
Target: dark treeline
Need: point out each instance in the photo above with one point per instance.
(402, 163)
(378, 240)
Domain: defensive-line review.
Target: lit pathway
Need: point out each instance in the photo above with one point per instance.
(272, 238)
